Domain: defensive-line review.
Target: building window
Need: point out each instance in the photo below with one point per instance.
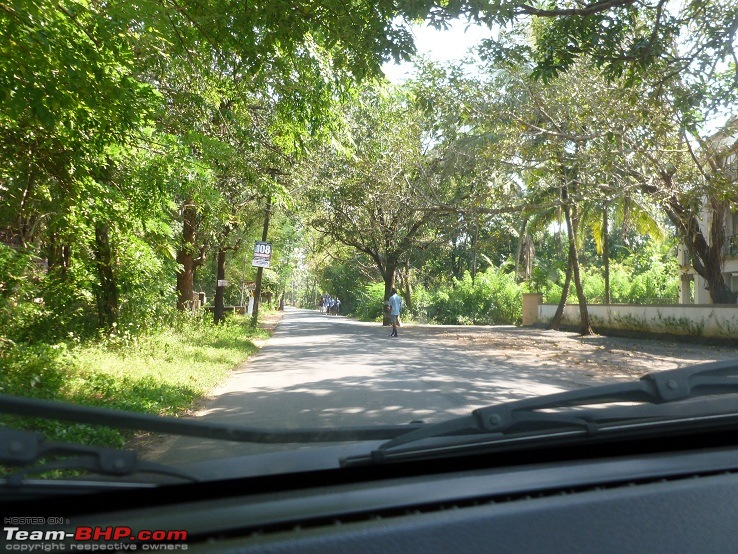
(731, 166)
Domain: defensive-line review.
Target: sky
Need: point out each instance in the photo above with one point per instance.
(455, 42)
(442, 46)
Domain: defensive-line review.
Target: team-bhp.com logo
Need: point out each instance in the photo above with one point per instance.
(92, 539)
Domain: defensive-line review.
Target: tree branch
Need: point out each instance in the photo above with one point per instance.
(591, 9)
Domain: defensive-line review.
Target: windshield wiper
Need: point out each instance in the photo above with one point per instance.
(27, 448)
(119, 419)
(30, 452)
(571, 413)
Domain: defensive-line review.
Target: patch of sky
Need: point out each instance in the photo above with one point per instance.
(452, 44)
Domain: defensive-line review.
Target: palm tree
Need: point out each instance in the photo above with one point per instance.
(626, 211)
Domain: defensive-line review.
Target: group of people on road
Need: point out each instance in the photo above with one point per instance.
(329, 305)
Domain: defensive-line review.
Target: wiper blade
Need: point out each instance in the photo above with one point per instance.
(567, 410)
(26, 448)
(119, 419)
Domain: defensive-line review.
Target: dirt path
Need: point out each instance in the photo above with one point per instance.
(591, 360)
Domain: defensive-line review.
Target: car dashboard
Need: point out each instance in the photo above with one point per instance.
(678, 494)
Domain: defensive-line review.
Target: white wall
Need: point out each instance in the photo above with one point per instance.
(711, 321)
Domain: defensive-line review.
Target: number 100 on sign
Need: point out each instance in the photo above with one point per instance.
(262, 254)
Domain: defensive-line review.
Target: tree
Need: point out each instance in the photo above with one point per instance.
(361, 194)
(622, 38)
(679, 60)
(84, 82)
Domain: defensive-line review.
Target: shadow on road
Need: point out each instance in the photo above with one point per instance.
(327, 371)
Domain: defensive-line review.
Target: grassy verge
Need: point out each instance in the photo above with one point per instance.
(165, 373)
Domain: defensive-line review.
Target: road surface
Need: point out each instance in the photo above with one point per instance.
(321, 370)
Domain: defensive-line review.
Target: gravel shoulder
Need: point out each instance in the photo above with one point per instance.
(589, 360)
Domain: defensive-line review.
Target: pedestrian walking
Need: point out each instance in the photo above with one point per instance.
(395, 304)
(337, 306)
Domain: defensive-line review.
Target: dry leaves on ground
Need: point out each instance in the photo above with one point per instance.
(594, 359)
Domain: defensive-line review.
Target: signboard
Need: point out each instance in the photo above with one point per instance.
(262, 254)
(222, 283)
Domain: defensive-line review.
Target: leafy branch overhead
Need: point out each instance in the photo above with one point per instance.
(140, 143)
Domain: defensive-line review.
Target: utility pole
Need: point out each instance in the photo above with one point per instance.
(260, 270)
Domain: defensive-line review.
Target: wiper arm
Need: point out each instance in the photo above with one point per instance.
(527, 415)
(26, 448)
(49, 409)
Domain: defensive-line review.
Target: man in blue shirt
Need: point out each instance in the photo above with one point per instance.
(395, 303)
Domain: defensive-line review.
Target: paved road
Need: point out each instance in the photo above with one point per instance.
(327, 371)
(320, 370)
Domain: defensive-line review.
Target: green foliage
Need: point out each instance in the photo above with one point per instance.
(37, 305)
(343, 274)
(18, 291)
(163, 372)
(655, 283)
(361, 193)
(493, 298)
(146, 286)
(370, 303)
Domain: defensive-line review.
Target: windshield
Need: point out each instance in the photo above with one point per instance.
(246, 221)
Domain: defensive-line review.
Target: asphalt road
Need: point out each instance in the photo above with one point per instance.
(327, 371)
(320, 370)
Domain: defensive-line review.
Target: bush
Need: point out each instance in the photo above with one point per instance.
(163, 372)
(370, 303)
(21, 304)
(493, 298)
(628, 285)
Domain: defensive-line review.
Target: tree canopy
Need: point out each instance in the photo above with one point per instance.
(141, 142)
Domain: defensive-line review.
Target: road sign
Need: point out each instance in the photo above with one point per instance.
(262, 254)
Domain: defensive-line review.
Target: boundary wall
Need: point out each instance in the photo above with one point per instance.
(708, 321)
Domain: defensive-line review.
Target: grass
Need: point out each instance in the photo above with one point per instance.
(165, 372)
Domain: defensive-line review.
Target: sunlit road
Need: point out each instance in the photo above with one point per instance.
(320, 370)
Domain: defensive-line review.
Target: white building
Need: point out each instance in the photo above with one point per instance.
(723, 148)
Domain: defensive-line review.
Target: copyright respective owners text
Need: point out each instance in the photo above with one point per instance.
(50, 534)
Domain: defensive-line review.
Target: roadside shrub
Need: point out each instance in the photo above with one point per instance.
(20, 293)
(370, 305)
(657, 283)
(593, 284)
(493, 298)
(620, 283)
(654, 285)
(162, 372)
(148, 295)
(421, 299)
(35, 370)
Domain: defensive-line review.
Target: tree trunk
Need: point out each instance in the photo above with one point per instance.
(186, 257)
(584, 325)
(556, 321)
(408, 288)
(706, 257)
(260, 270)
(107, 290)
(219, 310)
(474, 252)
(455, 259)
(522, 235)
(58, 256)
(606, 253)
